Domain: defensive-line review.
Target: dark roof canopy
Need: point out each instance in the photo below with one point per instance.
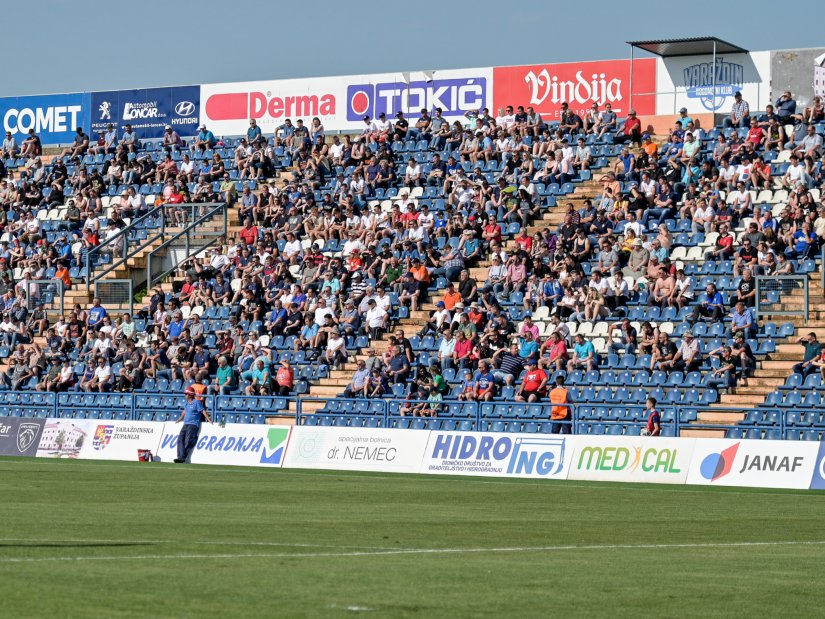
(696, 46)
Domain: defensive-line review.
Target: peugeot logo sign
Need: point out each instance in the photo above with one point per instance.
(185, 108)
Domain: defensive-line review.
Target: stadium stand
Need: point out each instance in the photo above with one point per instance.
(380, 280)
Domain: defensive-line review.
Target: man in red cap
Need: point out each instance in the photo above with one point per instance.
(192, 415)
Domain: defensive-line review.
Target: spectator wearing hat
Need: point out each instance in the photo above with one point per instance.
(376, 319)
(204, 140)
(171, 140)
(439, 319)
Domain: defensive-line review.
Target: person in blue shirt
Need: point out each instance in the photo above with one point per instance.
(742, 321)
(584, 355)
(192, 415)
(206, 139)
(96, 313)
(713, 306)
(484, 383)
(254, 131)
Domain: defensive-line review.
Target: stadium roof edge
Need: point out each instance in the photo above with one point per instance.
(696, 46)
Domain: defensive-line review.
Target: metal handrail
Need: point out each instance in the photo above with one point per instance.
(121, 237)
(760, 309)
(221, 207)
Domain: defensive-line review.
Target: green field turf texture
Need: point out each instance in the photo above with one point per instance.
(108, 539)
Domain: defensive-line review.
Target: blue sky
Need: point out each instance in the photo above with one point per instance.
(87, 45)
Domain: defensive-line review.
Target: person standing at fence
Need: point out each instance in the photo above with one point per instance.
(561, 413)
(192, 415)
(654, 419)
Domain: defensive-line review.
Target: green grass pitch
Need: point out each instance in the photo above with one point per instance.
(109, 539)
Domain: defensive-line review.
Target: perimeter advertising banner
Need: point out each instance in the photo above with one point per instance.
(688, 81)
(120, 440)
(54, 118)
(20, 436)
(340, 103)
(498, 455)
(632, 459)
(758, 464)
(236, 444)
(148, 111)
(356, 449)
(98, 439)
(580, 84)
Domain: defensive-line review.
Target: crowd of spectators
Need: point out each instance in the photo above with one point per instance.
(320, 263)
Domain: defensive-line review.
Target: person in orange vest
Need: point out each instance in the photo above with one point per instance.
(561, 413)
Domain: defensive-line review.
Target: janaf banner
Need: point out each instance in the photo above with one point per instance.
(148, 110)
(20, 436)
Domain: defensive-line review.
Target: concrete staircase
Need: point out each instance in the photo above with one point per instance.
(772, 372)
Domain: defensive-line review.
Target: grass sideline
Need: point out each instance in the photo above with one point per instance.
(121, 539)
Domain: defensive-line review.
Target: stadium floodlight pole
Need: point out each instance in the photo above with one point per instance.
(630, 101)
(714, 76)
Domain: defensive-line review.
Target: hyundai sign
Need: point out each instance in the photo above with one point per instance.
(148, 110)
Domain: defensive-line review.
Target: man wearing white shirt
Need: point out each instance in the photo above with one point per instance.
(292, 247)
(352, 244)
(101, 378)
(412, 174)
(375, 318)
(632, 224)
(795, 174)
(649, 188)
(321, 312)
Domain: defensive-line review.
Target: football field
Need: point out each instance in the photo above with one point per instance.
(110, 539)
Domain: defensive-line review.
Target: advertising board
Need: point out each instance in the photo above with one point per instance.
(341, 102)
(754, 463)
(120, 440)
(688, 81)
(498, 455)
(580, 84)
(631, 459)
(356, 449)
(20, 436)
(236, 444)
(148, 110)
(64, 438)
(54, 118)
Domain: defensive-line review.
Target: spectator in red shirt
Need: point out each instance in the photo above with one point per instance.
(284, 379)
(632, 130)
(556, 350)
(249, 233)
(534, 385)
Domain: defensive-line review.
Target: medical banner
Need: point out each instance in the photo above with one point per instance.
(356, 449)
(633, 459)
(148, 111)
(700, 86)
(54, 118)
(236, 444)
(759, 464)
(20, 436)
(544, 87)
